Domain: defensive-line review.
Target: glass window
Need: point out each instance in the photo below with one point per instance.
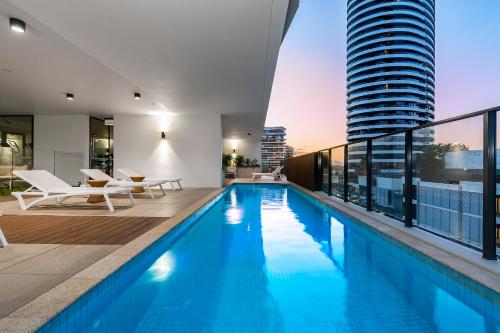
(356, 181)
(388, 171)
(338, 172)
(448, 176)
(16, 148)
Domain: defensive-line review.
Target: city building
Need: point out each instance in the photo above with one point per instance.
(390, 66)
(273, 148)
(390, 87)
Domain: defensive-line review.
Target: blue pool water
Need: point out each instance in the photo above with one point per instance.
(272, 259)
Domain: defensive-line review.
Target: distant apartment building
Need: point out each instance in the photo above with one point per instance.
(273, 148)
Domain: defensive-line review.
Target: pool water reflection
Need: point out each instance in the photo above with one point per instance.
(268, 259)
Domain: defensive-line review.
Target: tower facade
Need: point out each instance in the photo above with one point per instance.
(273, 148)
(390, 65)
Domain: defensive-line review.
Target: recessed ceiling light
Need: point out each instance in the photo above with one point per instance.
(70, 97)
(17, 25)
(137, 95)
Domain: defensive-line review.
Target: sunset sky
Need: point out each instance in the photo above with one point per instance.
(308, 96)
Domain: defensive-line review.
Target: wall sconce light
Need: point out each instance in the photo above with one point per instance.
(163, 135)
(17, 25)
(234, 154)
(234, 144)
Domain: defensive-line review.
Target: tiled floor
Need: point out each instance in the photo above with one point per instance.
(29, 270)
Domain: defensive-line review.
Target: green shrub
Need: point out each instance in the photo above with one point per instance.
(226, 160)
(239, 161)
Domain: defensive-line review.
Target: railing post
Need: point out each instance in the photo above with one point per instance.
(369, 165)
(408, 190)
(346, 173)
(329, 172)
(318, 171)
(489, 185)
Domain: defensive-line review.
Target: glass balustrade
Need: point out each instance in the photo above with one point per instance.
(447, 186)
(337, 172)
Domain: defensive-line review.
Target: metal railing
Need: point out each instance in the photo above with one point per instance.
(439, 177)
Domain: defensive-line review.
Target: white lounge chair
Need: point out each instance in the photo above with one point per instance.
(97, 174)
(48, 186)
(127, 172)
(273, 174)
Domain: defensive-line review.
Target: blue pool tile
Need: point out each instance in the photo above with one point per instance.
(273, 259)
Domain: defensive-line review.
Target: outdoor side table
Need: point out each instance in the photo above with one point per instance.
(95, 198)
(137, 189)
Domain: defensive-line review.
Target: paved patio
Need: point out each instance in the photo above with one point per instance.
(51, 243)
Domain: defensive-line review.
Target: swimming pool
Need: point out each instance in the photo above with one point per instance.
(270, 258)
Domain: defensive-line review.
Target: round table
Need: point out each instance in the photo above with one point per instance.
(137, 189)
(95, 198)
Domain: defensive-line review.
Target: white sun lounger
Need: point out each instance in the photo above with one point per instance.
(127, 172)
(273, 174)
(97, 174)
(48, 186)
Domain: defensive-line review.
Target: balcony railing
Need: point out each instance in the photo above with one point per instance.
(440, 177)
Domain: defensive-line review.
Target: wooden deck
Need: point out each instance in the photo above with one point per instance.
(7, 198)
(84, 230)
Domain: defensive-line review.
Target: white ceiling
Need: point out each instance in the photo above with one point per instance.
(184, 56)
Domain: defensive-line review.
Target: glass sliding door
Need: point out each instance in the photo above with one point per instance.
(101, 146)
(16, 147)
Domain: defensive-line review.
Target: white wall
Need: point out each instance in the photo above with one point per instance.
(248, 148)
(63, 139)
(192, 149)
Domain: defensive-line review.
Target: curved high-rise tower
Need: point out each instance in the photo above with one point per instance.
(390, 65)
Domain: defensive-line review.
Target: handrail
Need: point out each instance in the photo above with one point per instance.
(426, 125)
(488, 181)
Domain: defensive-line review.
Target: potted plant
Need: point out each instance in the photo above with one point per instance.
(239, 166)
(246, 167)
(226, 161)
